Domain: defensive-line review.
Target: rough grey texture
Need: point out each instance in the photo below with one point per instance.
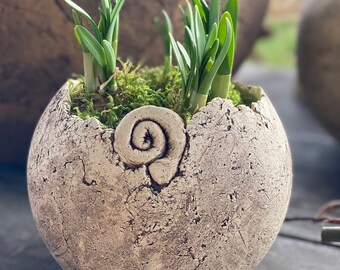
(319, 65)
(223, 209)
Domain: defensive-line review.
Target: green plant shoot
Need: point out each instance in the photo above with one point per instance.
(164, 30)
(221, 84)
(206, 56)
(99, 44)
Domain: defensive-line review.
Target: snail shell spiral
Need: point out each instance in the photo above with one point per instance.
(154, 137)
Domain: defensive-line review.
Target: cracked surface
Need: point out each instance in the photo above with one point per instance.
(223, 209)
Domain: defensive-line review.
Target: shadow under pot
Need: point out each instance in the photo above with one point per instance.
(157, 193)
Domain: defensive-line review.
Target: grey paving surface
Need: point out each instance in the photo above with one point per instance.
(21, 247)
(316, 180)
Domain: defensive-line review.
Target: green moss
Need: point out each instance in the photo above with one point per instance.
(235, 96)
(136, 88)
(248, 94)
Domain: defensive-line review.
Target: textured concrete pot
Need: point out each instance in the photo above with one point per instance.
(319, 65)
(156, 194)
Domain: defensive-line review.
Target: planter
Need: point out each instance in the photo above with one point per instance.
(156, 194)
(319, 67)
(30, 73)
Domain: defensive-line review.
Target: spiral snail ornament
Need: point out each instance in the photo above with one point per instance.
(153, 137)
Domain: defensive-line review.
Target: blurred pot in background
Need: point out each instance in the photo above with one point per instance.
(34, 59)
(319, 64)
(252, 13)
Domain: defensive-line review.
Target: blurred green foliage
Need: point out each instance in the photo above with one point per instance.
(279, 48)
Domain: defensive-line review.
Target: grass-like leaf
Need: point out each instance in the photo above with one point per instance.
(92, 44)
(179, 58)
(115, 36)
(113, 19)
(110, 56)
(78, 9)
(212, 37)
(207, 54)
(168, 29)
(227, 65)
(192, 49)
(214, 14)
(208, 66)
(199, 34)
(80, 42)
(214, 49)
(232, 8)
(190, 14)
(75, 17)
(208, 79)
(109, 35)
(106, 4)
(103, 24)
(99, 44)
(82, 12)
(203, 9)
(210, 55)
(185, 54)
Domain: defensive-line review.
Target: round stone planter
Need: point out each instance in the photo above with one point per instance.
(30, 73)
(156, 193)
(319, 65)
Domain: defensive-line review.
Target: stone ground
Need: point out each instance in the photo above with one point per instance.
(316, 158)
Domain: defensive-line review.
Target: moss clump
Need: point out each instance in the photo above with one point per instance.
(136, 88)
(235, 96)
